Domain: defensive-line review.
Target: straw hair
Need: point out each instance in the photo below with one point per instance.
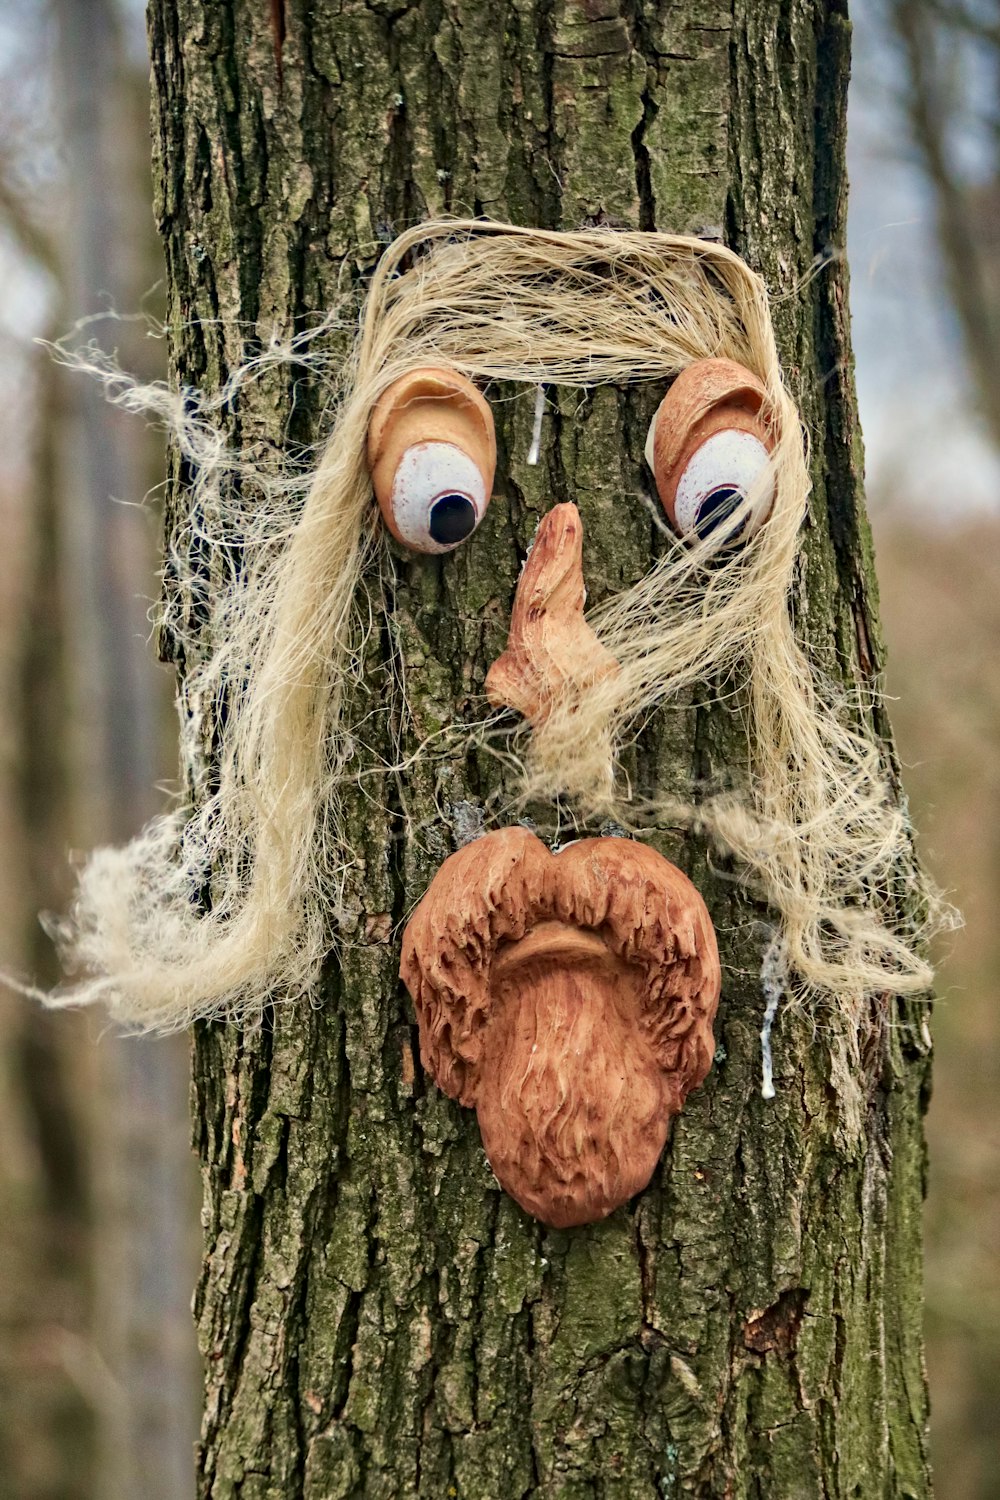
(210, 915)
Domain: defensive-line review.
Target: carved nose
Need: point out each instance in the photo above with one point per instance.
(550, 646)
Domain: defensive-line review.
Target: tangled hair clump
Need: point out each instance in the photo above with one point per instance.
(817, 830)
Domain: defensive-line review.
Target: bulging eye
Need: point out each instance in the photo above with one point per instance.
(432, 455)
(717, 479)
(709, 448)
(438, 497)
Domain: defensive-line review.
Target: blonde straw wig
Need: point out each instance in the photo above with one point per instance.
(208, 914)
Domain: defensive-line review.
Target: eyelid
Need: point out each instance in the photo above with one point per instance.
(430, 438)
(709, 398)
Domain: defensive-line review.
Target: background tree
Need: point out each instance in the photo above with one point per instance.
(375, 1317)
(95, 1193)
(949, 56)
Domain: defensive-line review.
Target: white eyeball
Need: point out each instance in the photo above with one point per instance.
(438, 497)
(717, 478)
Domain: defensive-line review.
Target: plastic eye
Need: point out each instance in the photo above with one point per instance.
(432, 457)
(438, 497)
(709, 448)
(718, 477)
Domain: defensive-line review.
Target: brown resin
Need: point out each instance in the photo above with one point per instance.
(550, 645)
(428, 405)
(709, 396)
(569, 998)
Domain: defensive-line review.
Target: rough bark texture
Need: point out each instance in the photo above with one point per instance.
(376, 1318)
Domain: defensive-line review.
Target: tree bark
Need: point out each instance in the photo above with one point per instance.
(376, 1318)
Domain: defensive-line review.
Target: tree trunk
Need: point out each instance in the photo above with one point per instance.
(377, 1319)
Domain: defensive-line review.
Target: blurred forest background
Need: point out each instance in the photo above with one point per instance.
(98, 1191)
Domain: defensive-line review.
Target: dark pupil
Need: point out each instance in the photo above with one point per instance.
(453, 518)
(716, 507)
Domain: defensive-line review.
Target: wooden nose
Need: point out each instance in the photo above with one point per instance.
(550, 645)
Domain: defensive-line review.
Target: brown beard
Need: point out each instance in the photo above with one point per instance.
(569, 999)
(575, 1109)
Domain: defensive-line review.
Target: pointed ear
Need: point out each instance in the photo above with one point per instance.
(709, 446)
(432, 456)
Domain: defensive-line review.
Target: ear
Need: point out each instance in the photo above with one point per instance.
(708, 448)
(432, 457)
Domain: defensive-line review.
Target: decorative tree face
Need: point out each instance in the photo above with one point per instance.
(454, 309)
(568, 998)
